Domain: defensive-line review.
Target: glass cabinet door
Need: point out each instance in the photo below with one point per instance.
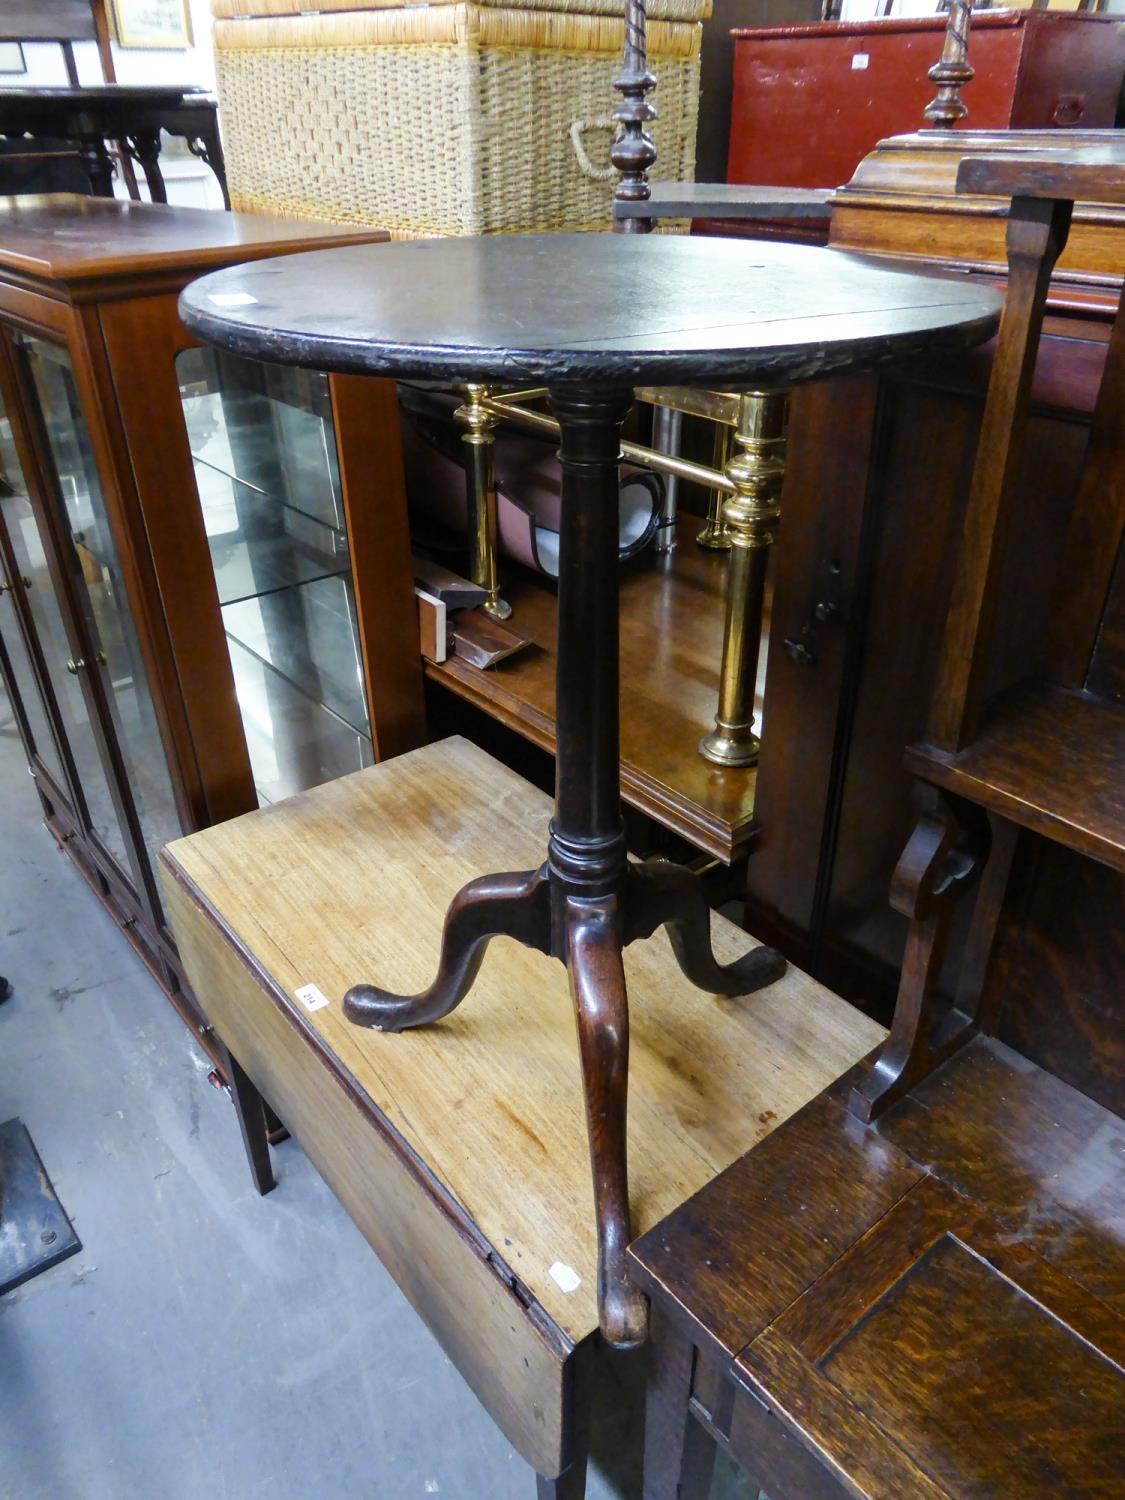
(24, 568)
(266, 469)
(114, 650)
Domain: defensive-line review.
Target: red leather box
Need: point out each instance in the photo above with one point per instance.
(811, 101)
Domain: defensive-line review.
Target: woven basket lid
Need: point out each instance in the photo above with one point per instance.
(665, 10)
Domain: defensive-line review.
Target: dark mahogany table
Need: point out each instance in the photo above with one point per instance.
(131, 114)
(591, 317)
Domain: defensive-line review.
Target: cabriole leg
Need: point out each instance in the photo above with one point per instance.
(515, 905)
(601, 1008)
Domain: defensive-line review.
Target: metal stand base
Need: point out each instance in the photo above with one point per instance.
(35, 1232)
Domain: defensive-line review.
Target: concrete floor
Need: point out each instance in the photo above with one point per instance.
(205, 1343)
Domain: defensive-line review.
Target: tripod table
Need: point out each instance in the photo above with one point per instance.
(591, 317)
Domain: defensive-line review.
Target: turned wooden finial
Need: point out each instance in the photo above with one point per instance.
(633, 153)
(953, 71)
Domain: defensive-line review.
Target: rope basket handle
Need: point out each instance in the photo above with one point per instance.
(586, 166)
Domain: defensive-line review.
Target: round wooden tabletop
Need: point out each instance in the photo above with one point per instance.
(604, 309)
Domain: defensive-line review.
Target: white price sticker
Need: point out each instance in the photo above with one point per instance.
(565, 1276)
(311, 998)
(231, 299)
(860, 60)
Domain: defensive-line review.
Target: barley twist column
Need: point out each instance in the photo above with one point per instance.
(953, 71)
(633, 153)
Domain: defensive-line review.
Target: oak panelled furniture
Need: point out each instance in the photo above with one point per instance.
(591, 318)
(1040, 746)
(874, 505)
(459, 1149)
(134, 613)
(917, 1285)
(927, 1308)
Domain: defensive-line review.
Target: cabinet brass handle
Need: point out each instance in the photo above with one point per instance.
(74, 667)
(8, 588)
(800, 653)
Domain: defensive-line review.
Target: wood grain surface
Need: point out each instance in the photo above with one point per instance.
(515, 1362)
(350, 882)
(66, 237)
(1089, 175)
(1049, 759)
(930, 1307)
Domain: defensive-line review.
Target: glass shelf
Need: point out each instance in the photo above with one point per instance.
(242, 421)
(305, 635)
(258, 546)
(294, 741)
(269, 486)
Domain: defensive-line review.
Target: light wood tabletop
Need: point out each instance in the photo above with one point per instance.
(460, 1149)
(352, 880)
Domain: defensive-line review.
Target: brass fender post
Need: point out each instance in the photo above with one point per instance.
(480, 488)
(756, 470)
(715, 535)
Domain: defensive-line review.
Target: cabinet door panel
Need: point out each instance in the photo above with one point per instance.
(35, 728)
(30, 592)
(114, 650)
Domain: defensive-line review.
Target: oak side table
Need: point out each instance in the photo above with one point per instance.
(590, 317)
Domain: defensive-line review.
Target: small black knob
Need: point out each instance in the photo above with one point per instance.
(800, 653)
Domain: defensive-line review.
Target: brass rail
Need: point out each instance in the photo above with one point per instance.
(743, 514)
(648, 458)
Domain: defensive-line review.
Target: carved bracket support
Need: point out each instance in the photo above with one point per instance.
(946, 852)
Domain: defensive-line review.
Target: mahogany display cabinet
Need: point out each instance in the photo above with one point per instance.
(206, 581)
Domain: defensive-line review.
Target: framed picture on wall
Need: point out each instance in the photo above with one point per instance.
(152, 23)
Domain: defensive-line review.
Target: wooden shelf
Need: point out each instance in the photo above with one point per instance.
(671, 645)
(1049, 759)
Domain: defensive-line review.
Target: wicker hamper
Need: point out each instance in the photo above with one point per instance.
(448, 118)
